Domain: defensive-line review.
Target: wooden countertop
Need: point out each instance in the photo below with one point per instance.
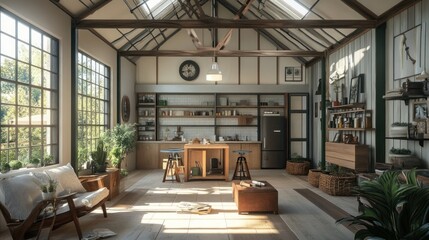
(206, 146)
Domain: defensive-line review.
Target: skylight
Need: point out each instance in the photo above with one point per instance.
(155, 7)
(292, 7)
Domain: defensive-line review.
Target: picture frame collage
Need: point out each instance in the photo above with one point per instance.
(420, 115)
(293, 74)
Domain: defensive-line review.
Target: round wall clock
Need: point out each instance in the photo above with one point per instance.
(189, 70)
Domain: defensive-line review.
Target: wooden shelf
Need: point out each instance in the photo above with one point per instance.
(239, 106)
(350, 129)
(185, 106)
(348, 106)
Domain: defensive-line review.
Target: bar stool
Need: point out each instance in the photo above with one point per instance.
(241, 169)
(173, 154)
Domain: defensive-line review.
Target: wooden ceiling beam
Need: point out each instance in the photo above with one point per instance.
(93, 9)
(210, 22)
(224, 53)
(361, 9)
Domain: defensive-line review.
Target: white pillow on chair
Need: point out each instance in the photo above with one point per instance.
(68, 179)
(20, 195)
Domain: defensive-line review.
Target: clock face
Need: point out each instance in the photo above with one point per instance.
(189, 70)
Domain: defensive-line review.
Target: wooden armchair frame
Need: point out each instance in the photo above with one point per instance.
(31, 226)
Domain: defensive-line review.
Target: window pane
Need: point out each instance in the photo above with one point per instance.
(8, 24)
(46, 61)
(36, 57)
(36, 136)
(23, 137)
(36, 76)
(23, 116)
(23, 95)
(8, 92)
(36, 38)
(23, 32)
(36, 116)
(7, 68)
(36, 97)
(7, 45)
(8, 114)
(23, 72)
(23, 52)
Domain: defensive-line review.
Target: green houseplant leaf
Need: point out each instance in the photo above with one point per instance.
(393, 208)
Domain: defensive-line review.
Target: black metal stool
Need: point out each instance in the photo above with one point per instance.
(241, 169)
(173, 154)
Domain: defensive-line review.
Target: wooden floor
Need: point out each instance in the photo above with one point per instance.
(147, 209)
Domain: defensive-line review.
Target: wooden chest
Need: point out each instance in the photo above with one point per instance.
(353, 156)
(255, 199)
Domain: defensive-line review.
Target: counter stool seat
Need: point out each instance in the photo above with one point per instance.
(173, 154)
(241, 171)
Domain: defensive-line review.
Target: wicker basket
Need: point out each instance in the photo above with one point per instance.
(337, 185)
(313, 177)
(297, 168)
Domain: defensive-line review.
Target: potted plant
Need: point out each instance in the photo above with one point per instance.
(399, 129)
(337, 181)
(120, 141)
(49, 189)
(297, 165)
(33, 163)
(15, 164)
(99, 157)
(392, 209)
(403, 158)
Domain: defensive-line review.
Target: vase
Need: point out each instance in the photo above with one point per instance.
(48, 195)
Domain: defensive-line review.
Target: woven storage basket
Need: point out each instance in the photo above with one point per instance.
(297, 168)
(313, 177)
(337, 185)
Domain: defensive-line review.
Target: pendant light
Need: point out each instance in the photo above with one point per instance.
(214, 74)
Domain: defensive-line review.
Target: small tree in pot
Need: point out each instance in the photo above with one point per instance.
(120, 140)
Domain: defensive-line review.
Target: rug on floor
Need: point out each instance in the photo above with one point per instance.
(326, 206)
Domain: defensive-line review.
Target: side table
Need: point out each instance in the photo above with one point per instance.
(109, 179)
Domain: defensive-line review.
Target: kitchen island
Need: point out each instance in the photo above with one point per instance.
(206, 161)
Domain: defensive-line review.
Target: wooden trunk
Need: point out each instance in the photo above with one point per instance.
(353, 156)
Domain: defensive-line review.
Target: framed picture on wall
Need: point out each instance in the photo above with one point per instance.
(297, 74)
(288, 74)
(406, 53)
(420, 111)
(293, 74)
(354, 90)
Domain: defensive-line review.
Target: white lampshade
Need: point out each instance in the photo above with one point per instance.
(214, 74)
(422, 75)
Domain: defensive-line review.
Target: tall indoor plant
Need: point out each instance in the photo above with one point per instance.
(392, 208)
(120, 141)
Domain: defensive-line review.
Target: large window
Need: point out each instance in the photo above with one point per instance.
(93, 104)
(28, 93)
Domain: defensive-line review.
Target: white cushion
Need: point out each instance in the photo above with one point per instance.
(43, 178)
(68, 179)
(20, 195)
(90, 199)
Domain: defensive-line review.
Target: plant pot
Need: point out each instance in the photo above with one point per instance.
(399, 131)
(313, 177)
(48, 195)
(297, 168)
(337, 185)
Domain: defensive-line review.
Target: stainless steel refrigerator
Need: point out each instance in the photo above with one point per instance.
(273, 142)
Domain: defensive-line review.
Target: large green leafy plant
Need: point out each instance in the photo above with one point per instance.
(120, 141)
(392, 208)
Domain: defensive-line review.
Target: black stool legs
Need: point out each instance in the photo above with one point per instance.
(241, 169)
